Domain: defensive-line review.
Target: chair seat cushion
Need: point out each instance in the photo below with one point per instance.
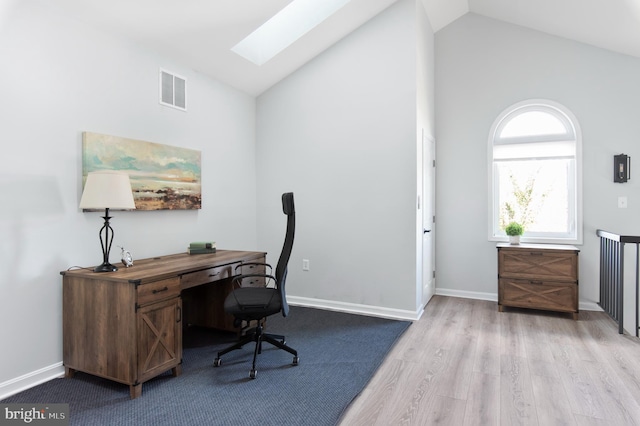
(253, 303)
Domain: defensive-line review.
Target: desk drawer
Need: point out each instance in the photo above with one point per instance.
(208, 275)
(251, 269)
(257, 267)
(157, 290)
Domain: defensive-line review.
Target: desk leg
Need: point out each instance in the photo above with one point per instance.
(135, 390)
(177, 370)
(69, 372)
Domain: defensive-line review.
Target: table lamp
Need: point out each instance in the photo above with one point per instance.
(106, 190)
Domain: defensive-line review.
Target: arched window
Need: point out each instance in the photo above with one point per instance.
(535, 173)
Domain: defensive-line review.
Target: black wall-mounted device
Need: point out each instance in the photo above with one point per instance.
(621, 168)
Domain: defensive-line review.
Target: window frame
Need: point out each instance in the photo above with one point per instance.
(570, 122)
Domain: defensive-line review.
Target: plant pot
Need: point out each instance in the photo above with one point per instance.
(514, 239)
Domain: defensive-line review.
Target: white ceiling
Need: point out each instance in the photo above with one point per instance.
(200, 33)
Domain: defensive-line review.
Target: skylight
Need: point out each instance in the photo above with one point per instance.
(284, 28)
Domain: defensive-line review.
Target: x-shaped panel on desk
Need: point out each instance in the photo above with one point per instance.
(160, 338)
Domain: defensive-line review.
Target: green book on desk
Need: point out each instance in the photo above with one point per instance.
(203, 245)
(192, 250)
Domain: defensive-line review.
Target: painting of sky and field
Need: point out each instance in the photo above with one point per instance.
(163, 177)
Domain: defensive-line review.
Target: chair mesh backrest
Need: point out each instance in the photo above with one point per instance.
(288, 208)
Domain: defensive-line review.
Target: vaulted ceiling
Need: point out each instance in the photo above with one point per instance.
(200, 33)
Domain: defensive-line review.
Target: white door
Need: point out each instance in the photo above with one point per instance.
(428, 225)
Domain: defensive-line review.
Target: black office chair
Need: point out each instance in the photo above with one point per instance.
(254, 304)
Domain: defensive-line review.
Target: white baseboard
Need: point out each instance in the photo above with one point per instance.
(583, 305)
(355, 308)
(587, 305)
(492, 297)
(29, 380)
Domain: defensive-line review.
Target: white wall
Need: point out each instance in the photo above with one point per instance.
(59, 78)
(482, 67)
(341, 134)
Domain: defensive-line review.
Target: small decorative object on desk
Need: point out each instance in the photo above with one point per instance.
(514, 230)
(202, 247)
(125, 256)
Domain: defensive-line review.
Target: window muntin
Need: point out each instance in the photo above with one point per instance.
(534, 157)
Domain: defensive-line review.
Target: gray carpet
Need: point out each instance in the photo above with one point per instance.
(338, 355)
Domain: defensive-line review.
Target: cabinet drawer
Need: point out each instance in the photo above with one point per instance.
(157, 290)
(546, 295)
(538, 264)
(208, 275)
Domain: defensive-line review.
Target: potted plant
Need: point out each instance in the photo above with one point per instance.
(514, 230)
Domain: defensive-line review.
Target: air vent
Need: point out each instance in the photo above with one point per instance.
(173, 90)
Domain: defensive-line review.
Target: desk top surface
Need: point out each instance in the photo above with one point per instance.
(169, 265)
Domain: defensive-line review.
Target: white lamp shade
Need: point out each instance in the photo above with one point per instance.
(107, 189)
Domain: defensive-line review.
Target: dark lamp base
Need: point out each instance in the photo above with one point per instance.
(105, 267)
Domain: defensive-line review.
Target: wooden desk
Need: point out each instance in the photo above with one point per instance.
(126, 325)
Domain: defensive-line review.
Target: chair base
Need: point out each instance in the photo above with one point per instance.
(258, 336)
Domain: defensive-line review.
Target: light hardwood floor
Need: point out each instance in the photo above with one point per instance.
(465, 363)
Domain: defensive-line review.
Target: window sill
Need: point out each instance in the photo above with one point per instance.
(532, 240)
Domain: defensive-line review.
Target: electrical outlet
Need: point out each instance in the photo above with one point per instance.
(622, 202)
(305, 264)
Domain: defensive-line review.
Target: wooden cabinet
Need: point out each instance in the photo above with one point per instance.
(159, 332)
(126, 325)
(123, 331)
(538, 276)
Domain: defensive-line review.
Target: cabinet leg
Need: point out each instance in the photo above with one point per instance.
(135, 390)
(575, 316)
(500, 308)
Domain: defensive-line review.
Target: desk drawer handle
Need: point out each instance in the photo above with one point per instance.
(214, 275)
(165, 288)
(536, 282)
(536, 253)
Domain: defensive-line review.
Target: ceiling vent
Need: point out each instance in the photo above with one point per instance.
(173, 90)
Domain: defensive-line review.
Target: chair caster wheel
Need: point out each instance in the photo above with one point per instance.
(296, 360)
(217, 362)
(253, 373)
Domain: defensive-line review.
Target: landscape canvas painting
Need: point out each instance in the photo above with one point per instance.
(163, 177)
